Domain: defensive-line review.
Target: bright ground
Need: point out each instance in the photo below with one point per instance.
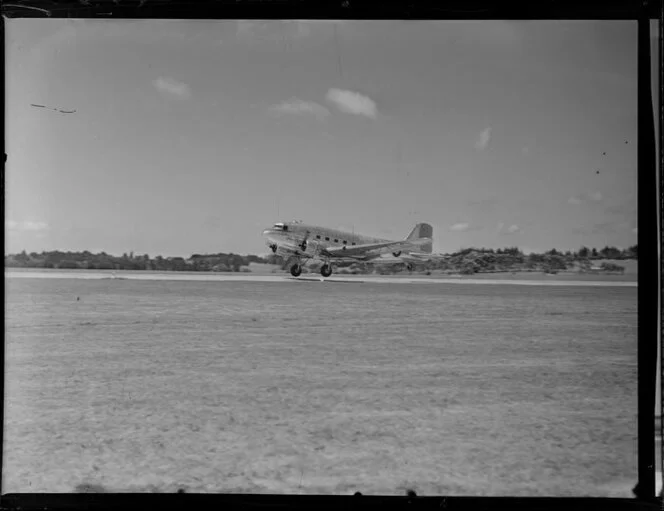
(301, 387)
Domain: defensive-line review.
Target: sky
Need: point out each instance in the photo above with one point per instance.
(193, 136)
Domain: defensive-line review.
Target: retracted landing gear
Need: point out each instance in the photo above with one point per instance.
(326, 270)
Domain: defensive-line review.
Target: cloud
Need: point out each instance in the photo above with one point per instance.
(352, 102)
(460, 227)
(512, 229)
(275, 31)
(603, 227)
(27, 225)
(483, 139)
(172, 87)
(298, 107)
(585, 197)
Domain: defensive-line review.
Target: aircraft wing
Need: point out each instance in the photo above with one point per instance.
(387, 246)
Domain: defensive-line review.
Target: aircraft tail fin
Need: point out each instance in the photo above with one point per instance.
(422, 231)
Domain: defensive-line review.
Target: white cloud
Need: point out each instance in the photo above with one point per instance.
(592, 196)
(273, 31)
(512, 229)
(27, 225)
(483, 139)
(352, 102)
(461, 226)
(298, 106)
(172, 87)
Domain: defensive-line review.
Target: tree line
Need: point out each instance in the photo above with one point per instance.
(466, 260)
(102, 261)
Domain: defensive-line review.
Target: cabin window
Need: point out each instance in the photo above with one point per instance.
(285, 227)
(327, 238)
(317, 236)
(345, 242)
(353, 243)
(336, 241)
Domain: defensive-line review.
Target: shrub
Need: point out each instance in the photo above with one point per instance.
(612, 267)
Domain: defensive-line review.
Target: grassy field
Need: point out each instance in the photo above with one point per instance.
(305, 388)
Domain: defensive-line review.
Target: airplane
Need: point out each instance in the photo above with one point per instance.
(302, 242)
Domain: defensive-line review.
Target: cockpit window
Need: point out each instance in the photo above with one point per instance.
(281, 227)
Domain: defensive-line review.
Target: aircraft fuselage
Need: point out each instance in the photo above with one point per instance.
(305, 241)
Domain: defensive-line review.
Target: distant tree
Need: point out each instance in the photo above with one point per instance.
(22, 257)
(610, 253)
(536, 258)
(584, 252)
(594, 253)
(553, 251)
(556, 262)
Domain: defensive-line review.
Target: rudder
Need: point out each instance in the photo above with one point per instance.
(422, 230)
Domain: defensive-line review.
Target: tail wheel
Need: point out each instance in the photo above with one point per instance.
(326, 270)
(296, 270)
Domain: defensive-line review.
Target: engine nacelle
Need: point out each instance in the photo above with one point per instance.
(396, 254)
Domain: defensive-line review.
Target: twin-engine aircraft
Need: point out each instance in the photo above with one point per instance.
(300, 243)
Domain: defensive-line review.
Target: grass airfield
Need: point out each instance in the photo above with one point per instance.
(285, 387)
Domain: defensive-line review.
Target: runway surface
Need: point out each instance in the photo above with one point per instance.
(137, 275)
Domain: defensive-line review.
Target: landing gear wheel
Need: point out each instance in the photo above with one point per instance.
(326, 270)
(409, 267)
(296, 270)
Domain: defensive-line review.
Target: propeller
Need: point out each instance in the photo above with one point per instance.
(303, 245)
